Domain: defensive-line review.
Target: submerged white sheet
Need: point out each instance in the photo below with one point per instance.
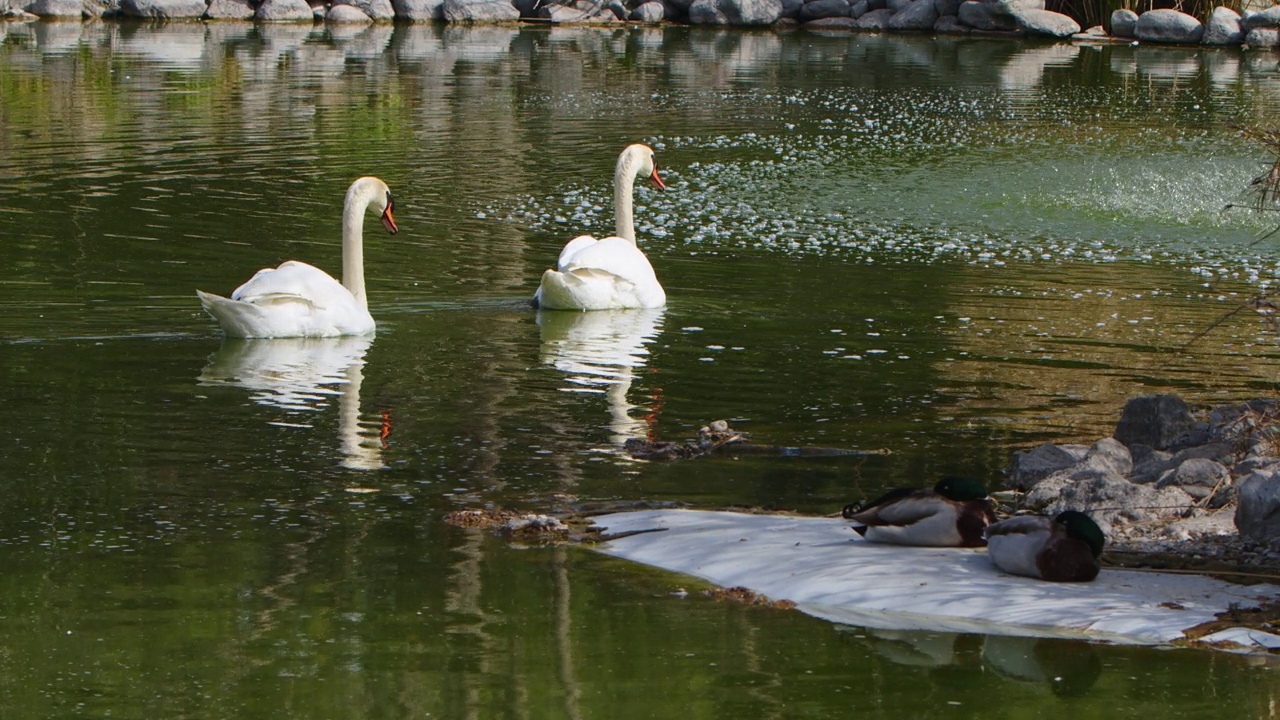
(831, 573)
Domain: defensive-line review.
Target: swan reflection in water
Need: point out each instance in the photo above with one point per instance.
(599, 352)
(300, 375)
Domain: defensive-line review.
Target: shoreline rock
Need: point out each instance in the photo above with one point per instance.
(1254, 30)
(1204, 488)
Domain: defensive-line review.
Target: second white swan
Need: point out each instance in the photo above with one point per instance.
(611, 273)
(301, 300)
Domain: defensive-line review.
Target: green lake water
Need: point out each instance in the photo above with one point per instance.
(944, 248)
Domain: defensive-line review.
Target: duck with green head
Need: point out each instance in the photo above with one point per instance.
(953, 513)
(1063, 548)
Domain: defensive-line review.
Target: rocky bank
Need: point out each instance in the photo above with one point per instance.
(1199, 487)
(1257, 28)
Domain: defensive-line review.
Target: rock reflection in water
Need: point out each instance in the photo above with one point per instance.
(300, 376)
(599, 352)
(696, 60)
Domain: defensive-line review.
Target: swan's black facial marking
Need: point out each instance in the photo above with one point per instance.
(388, 219)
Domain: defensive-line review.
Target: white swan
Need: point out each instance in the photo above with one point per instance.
(612, 273)
(300, 300)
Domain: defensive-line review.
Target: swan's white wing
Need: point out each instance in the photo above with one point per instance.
(614, 256)
(571, 248)
(293, 281)
(607, 274)
(293, 300)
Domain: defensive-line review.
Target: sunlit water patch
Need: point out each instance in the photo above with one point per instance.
(922, 175)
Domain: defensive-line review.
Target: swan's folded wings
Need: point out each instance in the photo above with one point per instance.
(615, 256)
(293, 281)
(571, 248)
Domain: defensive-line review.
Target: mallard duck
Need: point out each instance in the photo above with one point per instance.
(953, 513)
(1064, 548)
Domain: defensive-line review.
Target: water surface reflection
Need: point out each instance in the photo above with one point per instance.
(600, 352)
(300, 376)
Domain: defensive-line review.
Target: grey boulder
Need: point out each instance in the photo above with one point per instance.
(982, 16)
(1029, 467)
(1046, 22)
(418, 10)
(347, 15)
(57, 8)
(1013, 7)
(578, 11)
(1269, 18)
(947, 7)
(1108, 499)
(163, 9)
(951, 25)
(1263, 37)
(919, 16)
(875, 20)
(375, 9)
(1258, 508)
(650, 12)
(818, 9)
(735, 12)
(229, 10)
(1223, 28)
(1199, 478)
(1168, 26)
(1160, 421)
(1123, 23)
(479, 11)
(284, 11)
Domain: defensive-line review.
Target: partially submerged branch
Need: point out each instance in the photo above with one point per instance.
(1266, 187)
(718, 438)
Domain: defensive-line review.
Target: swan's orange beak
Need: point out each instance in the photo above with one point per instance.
(389, 220)
(657, 181)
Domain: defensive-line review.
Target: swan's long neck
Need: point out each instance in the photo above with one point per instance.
(624, 180)
(357, 202)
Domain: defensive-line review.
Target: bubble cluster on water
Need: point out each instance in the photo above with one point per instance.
(927, 176)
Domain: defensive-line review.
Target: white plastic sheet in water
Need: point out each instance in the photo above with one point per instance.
(832, 573)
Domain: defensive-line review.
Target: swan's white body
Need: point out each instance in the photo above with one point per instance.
(301, 300)
(611, 273)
